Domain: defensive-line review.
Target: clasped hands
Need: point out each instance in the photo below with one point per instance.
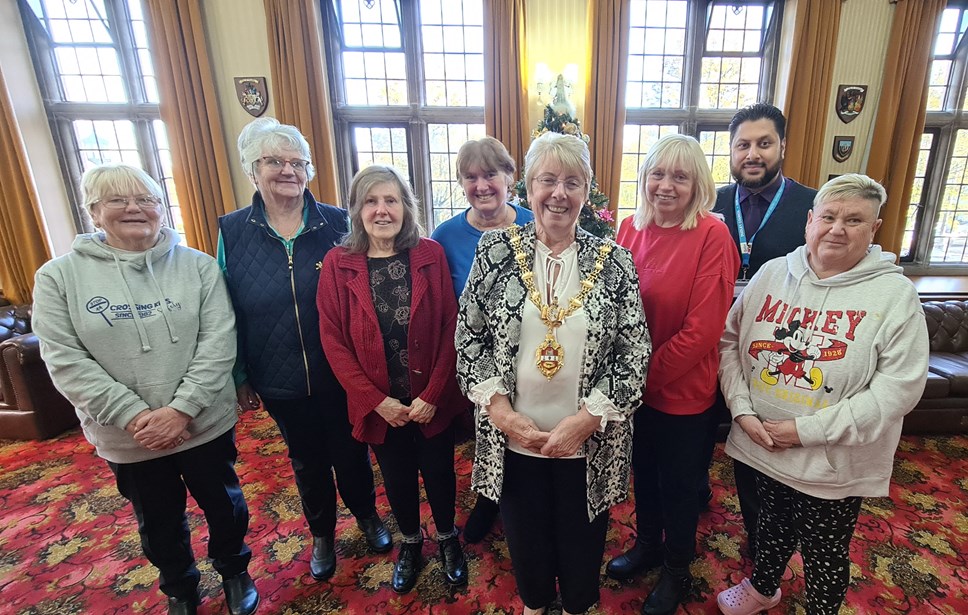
(398, 415)
(771, 435)
(564, 440)
(160, 429)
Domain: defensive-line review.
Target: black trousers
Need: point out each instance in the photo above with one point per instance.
(319, 437)
(821, 528)
(404, 454)
(749, 500)
(544, 505)
(157, 492)
(668, 460)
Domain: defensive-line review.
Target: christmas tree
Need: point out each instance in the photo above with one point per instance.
(595, 216)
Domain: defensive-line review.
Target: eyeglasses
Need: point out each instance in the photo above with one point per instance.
(278, 164)
(572, 186)
(120, 202)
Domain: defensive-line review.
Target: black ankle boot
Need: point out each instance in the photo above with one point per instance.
(322, 562)
(452, 561)
(639, 558)
(377, 536)
(481, 520)
(409, 563)
(673, 587)
(241, 595)
(183, 606)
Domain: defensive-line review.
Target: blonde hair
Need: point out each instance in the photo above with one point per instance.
(684, 152)
(357, 241)
(852, 186)
(567, 150)
(112, 179)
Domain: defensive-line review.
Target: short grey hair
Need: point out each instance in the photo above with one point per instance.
(684, 152)
(357, 241)
(266, 134)
(108, 180)
(567, 150)
(852, 186)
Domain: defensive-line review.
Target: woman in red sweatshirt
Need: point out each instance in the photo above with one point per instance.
(687, 265)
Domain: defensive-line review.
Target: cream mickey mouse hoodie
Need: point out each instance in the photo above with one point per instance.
(125, 331)
(845, 357)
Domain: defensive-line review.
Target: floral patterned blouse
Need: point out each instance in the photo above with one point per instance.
(391, 285)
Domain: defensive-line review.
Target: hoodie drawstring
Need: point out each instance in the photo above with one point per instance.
(161, 298)
(136, 316)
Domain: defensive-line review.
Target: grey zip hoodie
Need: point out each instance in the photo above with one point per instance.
(846, 357)
(125, 331)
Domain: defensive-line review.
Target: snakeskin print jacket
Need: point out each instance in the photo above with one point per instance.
(615, 361)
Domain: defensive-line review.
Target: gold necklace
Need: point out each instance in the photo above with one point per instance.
(550, 356)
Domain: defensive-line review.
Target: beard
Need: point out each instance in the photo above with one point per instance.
(769, 174)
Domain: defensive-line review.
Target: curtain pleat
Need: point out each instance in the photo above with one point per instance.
(900, 114)
(299, 89)
(189, 108)
(608, 22)
(24, 243)
(505, 64)
(808, 93)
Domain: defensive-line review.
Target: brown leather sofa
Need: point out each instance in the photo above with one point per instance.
(30, 407)
(944, 404)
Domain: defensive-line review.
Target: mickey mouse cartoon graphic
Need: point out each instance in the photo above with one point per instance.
(789, 359)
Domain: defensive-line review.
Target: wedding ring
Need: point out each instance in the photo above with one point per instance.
(181, 441)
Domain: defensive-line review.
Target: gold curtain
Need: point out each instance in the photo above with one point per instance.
(608, 22)
(900, 113)
(189, 107)
(505, 64)
(808, 93)
(24, 244)
(299, 90)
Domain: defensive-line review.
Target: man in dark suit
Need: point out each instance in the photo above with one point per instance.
(767, 215)
(773, 209)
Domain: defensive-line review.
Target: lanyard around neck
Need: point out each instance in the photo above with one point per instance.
(745, 247)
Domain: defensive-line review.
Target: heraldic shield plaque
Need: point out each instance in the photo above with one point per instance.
(252, 94)
(850, 102)
(843, 148)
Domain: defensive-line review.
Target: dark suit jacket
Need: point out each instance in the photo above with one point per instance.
(784, 231)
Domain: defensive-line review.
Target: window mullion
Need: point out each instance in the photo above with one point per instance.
(936, 186)
(692, 64)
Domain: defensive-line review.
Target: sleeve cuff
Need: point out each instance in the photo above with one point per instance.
(600, 406)
(482, 393)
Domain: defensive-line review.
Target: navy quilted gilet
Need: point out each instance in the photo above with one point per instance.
(277, 321)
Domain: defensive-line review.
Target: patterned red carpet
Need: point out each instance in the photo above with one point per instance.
(68, 543)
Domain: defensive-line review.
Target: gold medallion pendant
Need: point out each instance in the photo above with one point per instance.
(549, 357)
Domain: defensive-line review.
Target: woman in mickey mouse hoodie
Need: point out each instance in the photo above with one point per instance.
(824, 353)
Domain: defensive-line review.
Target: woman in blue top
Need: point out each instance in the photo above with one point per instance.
(486, 173)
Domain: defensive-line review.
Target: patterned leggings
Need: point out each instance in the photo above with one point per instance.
(822, 528)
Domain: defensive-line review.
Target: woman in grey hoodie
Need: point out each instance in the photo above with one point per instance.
(824, 353)
(138, 333)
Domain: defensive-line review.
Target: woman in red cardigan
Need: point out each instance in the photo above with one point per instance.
(387, 314)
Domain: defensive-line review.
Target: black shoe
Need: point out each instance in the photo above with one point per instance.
(452, 561)
(180, 606)
(637, 559)
(241, 596)
(409, 562)
(673, 587)
(322, 563)
(378, 539)
(481, 520)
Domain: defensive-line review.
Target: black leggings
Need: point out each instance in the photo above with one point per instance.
(405, 452)
(545, 512)
(822, 528)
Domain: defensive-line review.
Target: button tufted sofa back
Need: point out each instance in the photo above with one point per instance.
(947, 325)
